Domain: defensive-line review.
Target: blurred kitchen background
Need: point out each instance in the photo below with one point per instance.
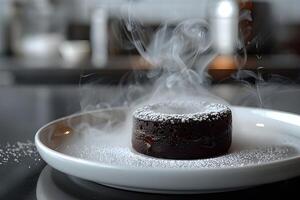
(49, 49)
(51, 41)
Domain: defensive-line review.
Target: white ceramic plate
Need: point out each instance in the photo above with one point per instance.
(265, 149)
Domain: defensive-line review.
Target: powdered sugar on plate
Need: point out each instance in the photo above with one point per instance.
(126, 157)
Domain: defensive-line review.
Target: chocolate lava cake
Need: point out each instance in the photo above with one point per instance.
(182, 130)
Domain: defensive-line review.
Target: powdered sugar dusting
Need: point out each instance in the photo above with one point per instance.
(198, 112)
(19, 152)
(126, 157)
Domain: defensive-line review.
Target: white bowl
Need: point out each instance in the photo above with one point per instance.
(265, 149)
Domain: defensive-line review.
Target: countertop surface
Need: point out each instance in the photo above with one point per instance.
(25, 109)
(21, 71)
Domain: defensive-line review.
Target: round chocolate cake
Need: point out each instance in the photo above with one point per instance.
(182, 130)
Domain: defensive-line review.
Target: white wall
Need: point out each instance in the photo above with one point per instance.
(284, 11)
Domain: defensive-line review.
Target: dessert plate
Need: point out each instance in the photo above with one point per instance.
(96, 146)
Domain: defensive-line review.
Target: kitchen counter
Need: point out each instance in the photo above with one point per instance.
(24, 109)
(21, 71)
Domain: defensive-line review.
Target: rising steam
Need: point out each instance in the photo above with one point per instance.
(180, 54)
(179, 50)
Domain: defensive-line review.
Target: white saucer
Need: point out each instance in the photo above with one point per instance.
(265, 149)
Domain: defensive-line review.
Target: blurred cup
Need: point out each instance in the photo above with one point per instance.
(40, 46)
(74, 52)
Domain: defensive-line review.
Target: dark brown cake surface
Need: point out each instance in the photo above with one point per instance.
(182, 130)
